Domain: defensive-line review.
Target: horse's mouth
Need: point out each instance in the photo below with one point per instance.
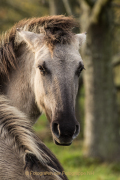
(62, 144)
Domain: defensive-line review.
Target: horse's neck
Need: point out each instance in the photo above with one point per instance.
(20, 87)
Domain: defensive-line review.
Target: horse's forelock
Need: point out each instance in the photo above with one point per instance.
(57, 29)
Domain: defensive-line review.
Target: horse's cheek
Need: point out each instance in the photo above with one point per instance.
(38, 89)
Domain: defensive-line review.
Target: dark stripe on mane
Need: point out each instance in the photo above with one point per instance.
(57, 29)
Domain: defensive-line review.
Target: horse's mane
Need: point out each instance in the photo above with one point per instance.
(57, 29)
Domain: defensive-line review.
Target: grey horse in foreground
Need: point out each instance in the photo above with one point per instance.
(40, 67)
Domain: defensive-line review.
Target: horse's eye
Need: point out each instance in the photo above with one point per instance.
(79, 70)
(42, 69)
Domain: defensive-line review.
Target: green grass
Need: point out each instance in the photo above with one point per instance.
(40, 124)
(72, 158)
(74, 162)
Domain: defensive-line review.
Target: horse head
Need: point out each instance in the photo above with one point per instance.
(57, 68)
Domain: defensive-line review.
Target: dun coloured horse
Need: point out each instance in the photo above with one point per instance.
(40, 67)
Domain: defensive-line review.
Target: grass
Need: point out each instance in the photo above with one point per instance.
(40, 124)
(72, 158)
(74, 162)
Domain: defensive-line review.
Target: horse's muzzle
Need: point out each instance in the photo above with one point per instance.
(64, 135)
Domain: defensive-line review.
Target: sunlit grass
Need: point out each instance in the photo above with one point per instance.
(82, 168)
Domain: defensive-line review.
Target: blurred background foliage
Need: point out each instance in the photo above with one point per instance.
(88, 154)
(11, 11)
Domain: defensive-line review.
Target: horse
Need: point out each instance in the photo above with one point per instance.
(40, 65)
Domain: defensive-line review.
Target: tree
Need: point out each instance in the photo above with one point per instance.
(13, 11)
(56, 7)
(101, 134)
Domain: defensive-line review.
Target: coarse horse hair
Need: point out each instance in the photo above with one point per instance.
(57, 29)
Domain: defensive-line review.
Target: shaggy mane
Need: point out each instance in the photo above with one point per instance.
(57, 29)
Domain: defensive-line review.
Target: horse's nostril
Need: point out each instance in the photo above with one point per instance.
(76, 132)
(55, 129)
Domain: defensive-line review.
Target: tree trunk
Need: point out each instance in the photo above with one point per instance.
(56, 7)
(101, 134)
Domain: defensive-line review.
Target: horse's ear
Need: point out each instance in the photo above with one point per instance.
(32, 165)
(81, 38)
(30, 38)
